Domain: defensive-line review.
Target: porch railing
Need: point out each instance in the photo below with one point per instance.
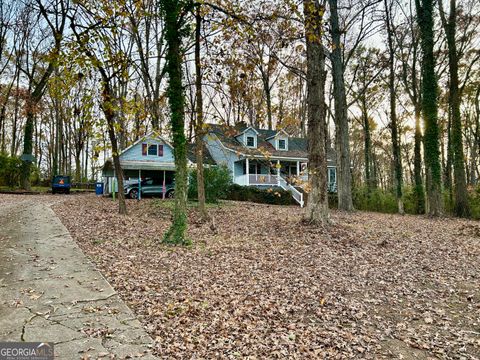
(263, 179)
(271, 180)
(257, 179)
(297, 195)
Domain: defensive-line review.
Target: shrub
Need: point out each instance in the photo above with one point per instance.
(275, 196)
(474, 197)
(410, 200)
(10, 169)
(374, 200)
(217, 183)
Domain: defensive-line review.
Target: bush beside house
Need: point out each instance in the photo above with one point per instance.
(275, 196)
(217, 183)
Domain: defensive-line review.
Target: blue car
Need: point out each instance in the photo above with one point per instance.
(151, 187)
(61, 184)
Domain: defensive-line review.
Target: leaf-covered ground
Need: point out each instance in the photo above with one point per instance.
(260, 284)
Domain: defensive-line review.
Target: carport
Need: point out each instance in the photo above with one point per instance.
(137, 170)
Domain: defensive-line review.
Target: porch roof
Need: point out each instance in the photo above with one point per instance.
(139, 165)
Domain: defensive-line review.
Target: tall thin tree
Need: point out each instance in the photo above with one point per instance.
(345, 201)
(199, 125)
(174, 23)
(55, 17)
(461, 207)
(397, 161)
(425, 11)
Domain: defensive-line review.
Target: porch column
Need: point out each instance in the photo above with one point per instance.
(113, 184)
(298, 168)
(278, 172)
(247, 171)
(139, 184)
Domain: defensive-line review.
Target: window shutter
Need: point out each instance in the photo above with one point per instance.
(144, 149)
(160, 150)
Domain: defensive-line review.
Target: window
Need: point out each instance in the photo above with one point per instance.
(282, 144)
(250, 141)
(331, 176)
(152, 149)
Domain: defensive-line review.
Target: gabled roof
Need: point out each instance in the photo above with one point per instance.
(150, 135)
(207, 158)
(191, 156)
(276, 134)
(242, 131)
(297, 147)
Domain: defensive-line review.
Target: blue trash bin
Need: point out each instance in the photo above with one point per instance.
(99, 188)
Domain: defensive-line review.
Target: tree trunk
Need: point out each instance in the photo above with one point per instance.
(27, 148)
(177, 232)
(31, 106)
(397, 161)
(417, 165)
(476, 139)
(344, 176)
(317, 205)
(461, 207)
(430, 108)
(268, 96)
(199, 131)
(13, 147)
(108, 109)
(369, 173)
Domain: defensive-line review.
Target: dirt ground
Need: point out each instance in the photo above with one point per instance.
(260, 284)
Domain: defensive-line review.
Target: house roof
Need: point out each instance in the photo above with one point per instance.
(207, 158)
(158, 165)
(297, 147)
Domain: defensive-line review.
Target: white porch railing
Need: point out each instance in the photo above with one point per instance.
(297, 195)
(257, 179)
(262, 179)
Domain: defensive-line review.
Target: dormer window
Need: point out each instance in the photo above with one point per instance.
(282, 144)
(251, 141)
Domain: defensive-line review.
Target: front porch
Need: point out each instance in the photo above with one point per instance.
(267, 172)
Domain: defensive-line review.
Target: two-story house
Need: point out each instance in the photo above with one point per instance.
(255, 157)
(264, 158)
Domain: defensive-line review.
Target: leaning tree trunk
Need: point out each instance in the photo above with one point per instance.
(108, 109)
(341, 115)
(199, 131)
(430, 108)
(397, 161)
(317, 205)
(177, 232)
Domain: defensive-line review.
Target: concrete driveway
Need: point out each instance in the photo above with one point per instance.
(50, 291)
